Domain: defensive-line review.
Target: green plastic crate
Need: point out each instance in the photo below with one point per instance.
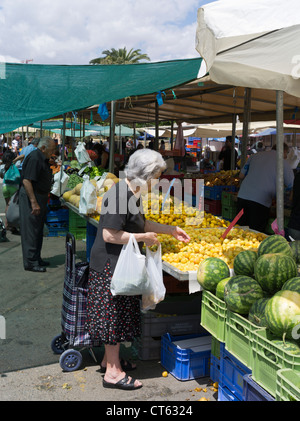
(76, 221)
(213, 315)
(77, 225)
(228, 199)
(268, 358)
(287, 385)
(229, 212)
(215, 347)
(239, 337)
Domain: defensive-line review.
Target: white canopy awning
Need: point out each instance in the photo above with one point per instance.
(253, 43)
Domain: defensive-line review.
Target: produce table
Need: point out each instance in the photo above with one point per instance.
(171, 270)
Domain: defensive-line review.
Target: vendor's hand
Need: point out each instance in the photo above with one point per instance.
(150, 239)
(180, 234)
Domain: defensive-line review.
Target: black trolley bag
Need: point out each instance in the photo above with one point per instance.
(73, 314)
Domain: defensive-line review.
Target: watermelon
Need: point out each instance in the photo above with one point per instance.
(283, 314)
(243, 263)
(257, 312)
(295, 246)
(211, 271)
(290, 346)
(241, 292)
(292, 284)
(221, 287)
(275, 244)
(272, 270)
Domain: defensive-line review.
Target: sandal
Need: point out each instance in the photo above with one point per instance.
(126, 366)
(122, 384)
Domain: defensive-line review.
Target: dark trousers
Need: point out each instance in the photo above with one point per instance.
(31, 227)
(255, 215)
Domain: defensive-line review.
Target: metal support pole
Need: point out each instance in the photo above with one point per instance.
(172, 134)
(246, 120)
(232, 162)
(156, 140)
(280, 157)
(112, 135)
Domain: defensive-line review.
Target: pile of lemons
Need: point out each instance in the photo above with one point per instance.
(207, 243)
(179, 213)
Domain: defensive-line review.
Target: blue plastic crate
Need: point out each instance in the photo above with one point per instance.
(59, 215)
(215, 365)
(186, 363)
(253, 392)
(225, 395)
(57, 232)
(232, 372)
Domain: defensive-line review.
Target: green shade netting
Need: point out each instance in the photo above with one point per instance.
(33, 92)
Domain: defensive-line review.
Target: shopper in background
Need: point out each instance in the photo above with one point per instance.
(115, 319)
(16, 143)
(10, 186)
(35, 188)
(32, 145)
(225, 154)
(258, 187)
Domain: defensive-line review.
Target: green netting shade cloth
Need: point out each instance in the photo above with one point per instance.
(33, 92)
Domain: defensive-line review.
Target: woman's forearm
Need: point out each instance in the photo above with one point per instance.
(151, 226)
(122, 237)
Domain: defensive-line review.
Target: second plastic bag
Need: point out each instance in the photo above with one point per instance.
(157, 289)
(130, 274)
(88, 197)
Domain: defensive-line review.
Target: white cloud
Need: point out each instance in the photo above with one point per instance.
(75, 31)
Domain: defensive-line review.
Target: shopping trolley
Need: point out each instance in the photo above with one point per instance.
(74, 338)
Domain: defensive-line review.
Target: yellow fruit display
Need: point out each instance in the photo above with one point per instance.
(178, 213)
(222, 178)
(207, 242)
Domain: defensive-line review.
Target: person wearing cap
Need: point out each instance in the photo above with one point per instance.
(16, 143)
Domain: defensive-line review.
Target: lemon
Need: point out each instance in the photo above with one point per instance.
(164, 374)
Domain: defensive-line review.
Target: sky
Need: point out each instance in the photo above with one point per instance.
(73, 32)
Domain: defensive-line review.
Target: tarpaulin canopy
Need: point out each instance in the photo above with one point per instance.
(34, 92)
(95, 131)
(253, 43)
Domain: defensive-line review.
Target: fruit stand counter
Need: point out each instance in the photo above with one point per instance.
(181, 260)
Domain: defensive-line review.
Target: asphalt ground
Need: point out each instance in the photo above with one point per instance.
(30, 304)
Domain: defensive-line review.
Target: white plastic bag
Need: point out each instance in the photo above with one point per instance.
(60, 183)
(88, 197)
(81, 154)
(130, 274)
(157, 290)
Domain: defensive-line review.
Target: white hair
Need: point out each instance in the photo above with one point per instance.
(45, 141)
(143, 165)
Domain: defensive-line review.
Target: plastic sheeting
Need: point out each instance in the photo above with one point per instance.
(253, 43)
(30, 93)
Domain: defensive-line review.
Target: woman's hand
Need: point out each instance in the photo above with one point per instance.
(180, 234)
(150, 239)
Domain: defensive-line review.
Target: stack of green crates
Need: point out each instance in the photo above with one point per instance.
(229, 205)
(77, 226)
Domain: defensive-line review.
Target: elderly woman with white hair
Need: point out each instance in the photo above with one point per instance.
(115, 319)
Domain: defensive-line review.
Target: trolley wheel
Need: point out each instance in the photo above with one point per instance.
(70, 360)
(57, 345)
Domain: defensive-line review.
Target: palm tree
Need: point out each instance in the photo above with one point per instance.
(120, 56)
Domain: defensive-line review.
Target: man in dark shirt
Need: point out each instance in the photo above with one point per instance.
(225, 154)
(35, 188)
